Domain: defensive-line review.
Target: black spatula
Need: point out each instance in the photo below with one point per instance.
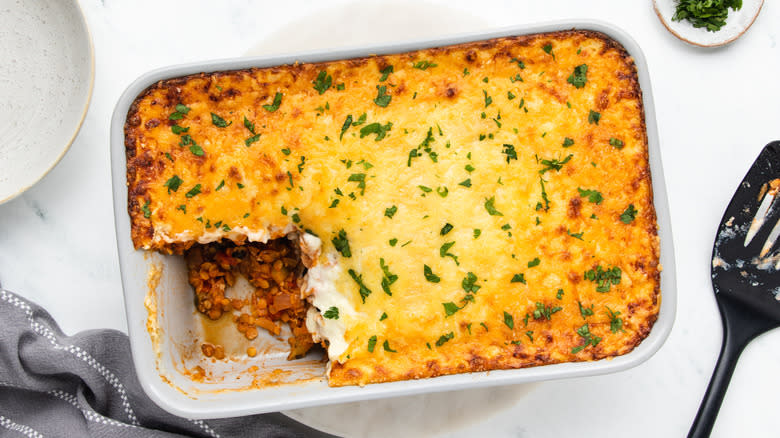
(745, 274)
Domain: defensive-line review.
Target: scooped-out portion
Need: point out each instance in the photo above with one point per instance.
(273, 269)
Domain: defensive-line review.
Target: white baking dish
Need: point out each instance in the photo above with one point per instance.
(179, 333)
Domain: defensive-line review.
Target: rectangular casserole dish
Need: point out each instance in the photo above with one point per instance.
(165, 371)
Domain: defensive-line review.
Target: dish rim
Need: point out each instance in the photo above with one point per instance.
(88, 100)
(177, 403)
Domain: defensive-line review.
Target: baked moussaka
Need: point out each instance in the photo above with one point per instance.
(473, 207)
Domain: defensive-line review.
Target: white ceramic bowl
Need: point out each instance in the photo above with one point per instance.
(161, 369)
(46, 77)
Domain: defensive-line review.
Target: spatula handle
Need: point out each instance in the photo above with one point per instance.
(719, 382)
(740, 326)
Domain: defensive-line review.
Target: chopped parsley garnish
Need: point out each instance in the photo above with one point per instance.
(383, 317)
(446, 229)
(509, 320)
(168, 156)
(429, 275)
(442, 191)
(491, 208)
(443, 252)
(276, 103)
(359, 178)
(301, 164)
(371, 343)
(545, 312)
(340, 86)
(594, 117)
(196, 150)
(518, 278)
(385, 73)
(393, 241)
(376, 128)
(290, 180)
(345, 126)
(530, 334)
(388, 278)
(382, 98)
(219, 122)
(554, 164)
(604, 278)
(567, 142)
(616, 143)
(183, 208)
(444, 338)
(594, 196)
(364, 291)
(469, 283)
(341, 243)
(559, 295)
(178, 129)
(548, 49)
(575, 235)
(249, 125)
(252, 139)
(145, 209)
(488, 99)
(425, 189)
(193, 191)
(510, 95)
(414, 153)
(585, 311)
(424, 65)
(709, 14)
(509, 151)
(465, 183)
(450, 308)
(534, 262)
(173, 183)
(181, 111)
(286, 151)
(477, 232)
(544, 198)
(360, 120)
(390, 211)
(425, 145)
(584, 332)
(579, 77)
(220, 185)
(331, 313)
(629, 214)
(387, 348)
(322, 82)
(615, 323)
(469, 168)
(519, 62)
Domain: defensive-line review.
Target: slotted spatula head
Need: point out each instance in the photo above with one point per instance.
(746, 255)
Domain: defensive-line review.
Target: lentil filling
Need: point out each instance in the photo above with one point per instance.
(272, 268)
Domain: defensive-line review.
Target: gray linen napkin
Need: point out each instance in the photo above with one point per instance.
(53, 385)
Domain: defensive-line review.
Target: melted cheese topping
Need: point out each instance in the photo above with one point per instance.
(474, 137)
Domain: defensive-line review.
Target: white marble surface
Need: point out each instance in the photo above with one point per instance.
(716, 109)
